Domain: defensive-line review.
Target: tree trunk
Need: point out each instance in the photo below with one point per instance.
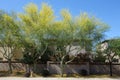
(110, 68)
(31, 70)
(28, 68)
(62, 67)
(10, 66)
(28, 71)
(34, 67)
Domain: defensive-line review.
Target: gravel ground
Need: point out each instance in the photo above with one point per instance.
(19, 78)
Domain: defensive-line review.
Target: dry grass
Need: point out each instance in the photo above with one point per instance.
(22, 74)
(15, 73)
(88, 76)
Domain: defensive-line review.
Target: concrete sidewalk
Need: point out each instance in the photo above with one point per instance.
(20, 78)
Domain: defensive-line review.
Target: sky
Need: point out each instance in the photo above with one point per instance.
(107, 11)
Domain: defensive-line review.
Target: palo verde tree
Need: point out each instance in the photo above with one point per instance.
(34, 31)
(8, 37)
(90, 31)
(63, 35)
(112, 49)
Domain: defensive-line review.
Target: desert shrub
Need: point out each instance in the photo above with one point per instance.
(45, 73)
(83, 72)
(100, 59)
(27, 75)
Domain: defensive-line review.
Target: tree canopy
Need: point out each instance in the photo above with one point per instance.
(37, 28)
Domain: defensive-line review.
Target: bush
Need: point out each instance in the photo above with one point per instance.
(83, 72)
(45, 73)
(27, 75)
(99, 59)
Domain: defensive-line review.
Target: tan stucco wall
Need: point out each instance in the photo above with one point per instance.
(17, 54)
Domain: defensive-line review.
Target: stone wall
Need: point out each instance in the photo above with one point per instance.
(15, 65)
(70, 68)
(54, 67)
(99, 68)
(104, 68)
